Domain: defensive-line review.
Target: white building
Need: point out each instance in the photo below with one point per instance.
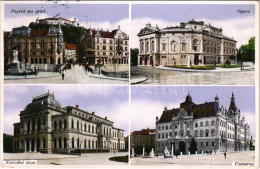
(46, 126)
(56, 21)
(213, 127)
(191, 43)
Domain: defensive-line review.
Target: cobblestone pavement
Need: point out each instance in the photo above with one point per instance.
(59, 159)
(170, 77)
(196, 160)
(75, 75)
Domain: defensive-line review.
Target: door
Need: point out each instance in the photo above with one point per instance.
(196, 60)
(182, 147)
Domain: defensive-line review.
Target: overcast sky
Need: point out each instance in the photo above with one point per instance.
(103, 16)
(239, 26)
(105, 101)
(149, 102)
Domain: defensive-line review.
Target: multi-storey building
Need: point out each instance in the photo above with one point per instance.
(35, 46)
(213, 127)
(45, 126)
(104, 47)
(70, 52)
(191, 43)
(145, 137)
(56, 21)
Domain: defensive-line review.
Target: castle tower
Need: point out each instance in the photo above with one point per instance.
(60, 42)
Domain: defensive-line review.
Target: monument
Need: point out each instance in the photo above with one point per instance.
(151, 154)
(166, 153)
(15, 64)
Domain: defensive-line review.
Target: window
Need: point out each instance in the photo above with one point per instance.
(201, 133)
(78, 125)
(60, 124)
(173, 46)
(196, 124)
(207, 123)
(212, 132)
(196, 133)
(78, 143)
(104, 53)
(110, 41)
(183, 56)
(59, 142)
(55, 125)
(104, 40)
(104, 47)
(201, 124)
(152, 46)
(212, 123)
(72, 123)
(207, 133)
(65, 142)
(147, 46)
(55, 143)
(111, 48)
(164, 46)
(183, 47)
(213, 144)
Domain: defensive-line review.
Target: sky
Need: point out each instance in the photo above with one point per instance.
(149, 102)
(239, 26)
(103, 16)
(109, 101)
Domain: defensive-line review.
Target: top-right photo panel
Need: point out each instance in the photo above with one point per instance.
(193, 44)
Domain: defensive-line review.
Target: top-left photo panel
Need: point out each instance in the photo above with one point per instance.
(66, 43)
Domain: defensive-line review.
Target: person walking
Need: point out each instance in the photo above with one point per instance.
(62, 75)
(225, 154)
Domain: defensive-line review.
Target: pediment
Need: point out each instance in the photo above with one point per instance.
(145, 31)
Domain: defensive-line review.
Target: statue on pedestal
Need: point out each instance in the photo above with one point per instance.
(151, 154)
(166, 153)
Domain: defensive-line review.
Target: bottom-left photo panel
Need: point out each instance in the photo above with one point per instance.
(65, 125)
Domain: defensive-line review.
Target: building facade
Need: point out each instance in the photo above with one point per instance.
(104, 47)
(47, 127)
(35, 46)
(70, 52)
(213, 127)
(144, 137)
(191, 43)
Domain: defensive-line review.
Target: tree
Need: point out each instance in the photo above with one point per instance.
(134, 56)
(193, 146)
(247, 52)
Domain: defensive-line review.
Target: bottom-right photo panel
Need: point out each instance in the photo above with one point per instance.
(193, 125)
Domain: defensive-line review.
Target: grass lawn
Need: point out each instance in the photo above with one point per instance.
(120, 159)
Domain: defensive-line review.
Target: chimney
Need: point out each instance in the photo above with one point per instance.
(106, 118)
(77, 106)
(93, 113)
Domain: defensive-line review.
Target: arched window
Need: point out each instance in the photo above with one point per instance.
(78, 143)
(147, 46)
(152, 46)
(201, 133)
(212, 123)
(173, 46)
(207, 123)
(60, 124)
(212, 132)
(93, 144)
(142, 47)
(196, 133)
(85, 143)
(55, 125)
(72, 123)
(207, 133)
(85, 127)
(55, 143)
(65, 124)
(201, 124)
(72, 143)
(65, 142)
(44, 143)
(78, 125)
(89, 144)
(59, 142)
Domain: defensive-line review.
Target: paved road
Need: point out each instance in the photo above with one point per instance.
(59, 159)
(205, 160)
(169, 77)
(75, 75)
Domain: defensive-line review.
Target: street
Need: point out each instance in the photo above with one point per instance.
(195, 160)
(60, 159)
(76, 75)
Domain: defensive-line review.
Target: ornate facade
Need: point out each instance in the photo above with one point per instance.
(47, 127)
(104, 47)
(35, 46)
(213, 127)
(191, 43)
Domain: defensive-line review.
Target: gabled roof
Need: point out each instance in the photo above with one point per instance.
(167, 115)
(147, 30)
(39, 33)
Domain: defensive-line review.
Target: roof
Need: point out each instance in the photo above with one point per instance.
(70, 46)
(167, 115)
(143, 132)
(39, 33)
(104, 34)
(205, 110)
(6, 34)
(232, 106)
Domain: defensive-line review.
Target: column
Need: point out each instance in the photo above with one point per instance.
(35, 145)
(30, 145)
(188, 64)
(133, 151)
(202, 59)
(25, 146)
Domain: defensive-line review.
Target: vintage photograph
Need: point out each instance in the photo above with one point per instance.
(56, 125)
(66, 43)
(193, 44)
(192, 126)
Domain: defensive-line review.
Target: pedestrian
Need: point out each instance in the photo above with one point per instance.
(63, 75)
(225, 154)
